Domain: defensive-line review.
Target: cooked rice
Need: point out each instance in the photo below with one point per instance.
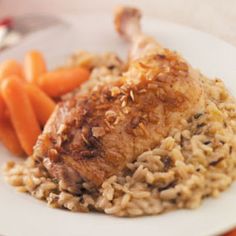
(194, 162)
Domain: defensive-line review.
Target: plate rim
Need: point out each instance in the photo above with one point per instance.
(184, 27)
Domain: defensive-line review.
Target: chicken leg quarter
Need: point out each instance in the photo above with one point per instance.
(93, 136)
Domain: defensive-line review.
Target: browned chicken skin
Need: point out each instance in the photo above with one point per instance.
(92, 136)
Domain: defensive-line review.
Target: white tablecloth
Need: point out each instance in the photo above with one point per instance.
(217, 17)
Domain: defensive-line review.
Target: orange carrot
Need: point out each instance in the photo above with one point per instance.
(4, 113)
(61, 81)
(231, 233)
(21, 112)
(42, 104)
(9, 138)
(10, 67)
(2, 107)
(34, 66)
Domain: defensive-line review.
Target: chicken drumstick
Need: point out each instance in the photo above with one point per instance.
(93, 136)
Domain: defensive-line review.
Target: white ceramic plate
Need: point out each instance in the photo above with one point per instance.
(21, 214)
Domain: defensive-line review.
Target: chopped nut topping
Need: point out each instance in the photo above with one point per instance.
(122, 98)
(110, 115)
(126, 110)
(108, 124)
(85, 140)
(98, 131)
(141, 125)
(123, 104)
(53, 154)
(61, 129)
(142, 91)
(115, 91)
(132, 95)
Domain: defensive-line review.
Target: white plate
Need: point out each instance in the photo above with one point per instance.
(21, 214)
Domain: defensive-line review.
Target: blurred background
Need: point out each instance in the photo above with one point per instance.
(217, 17)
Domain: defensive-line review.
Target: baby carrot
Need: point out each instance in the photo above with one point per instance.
(34, 66)
(42, 104)
(21, 112)
(2, 107)
(231, 233)
(9, 138)
(61, 81)
(10, 67)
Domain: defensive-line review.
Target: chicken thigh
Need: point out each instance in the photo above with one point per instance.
(94, 135)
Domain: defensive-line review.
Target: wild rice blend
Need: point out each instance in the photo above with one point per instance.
(194, 162)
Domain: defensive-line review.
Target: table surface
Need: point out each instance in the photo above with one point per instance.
(217, 17)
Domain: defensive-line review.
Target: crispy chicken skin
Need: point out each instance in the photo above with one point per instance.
(92, 136)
